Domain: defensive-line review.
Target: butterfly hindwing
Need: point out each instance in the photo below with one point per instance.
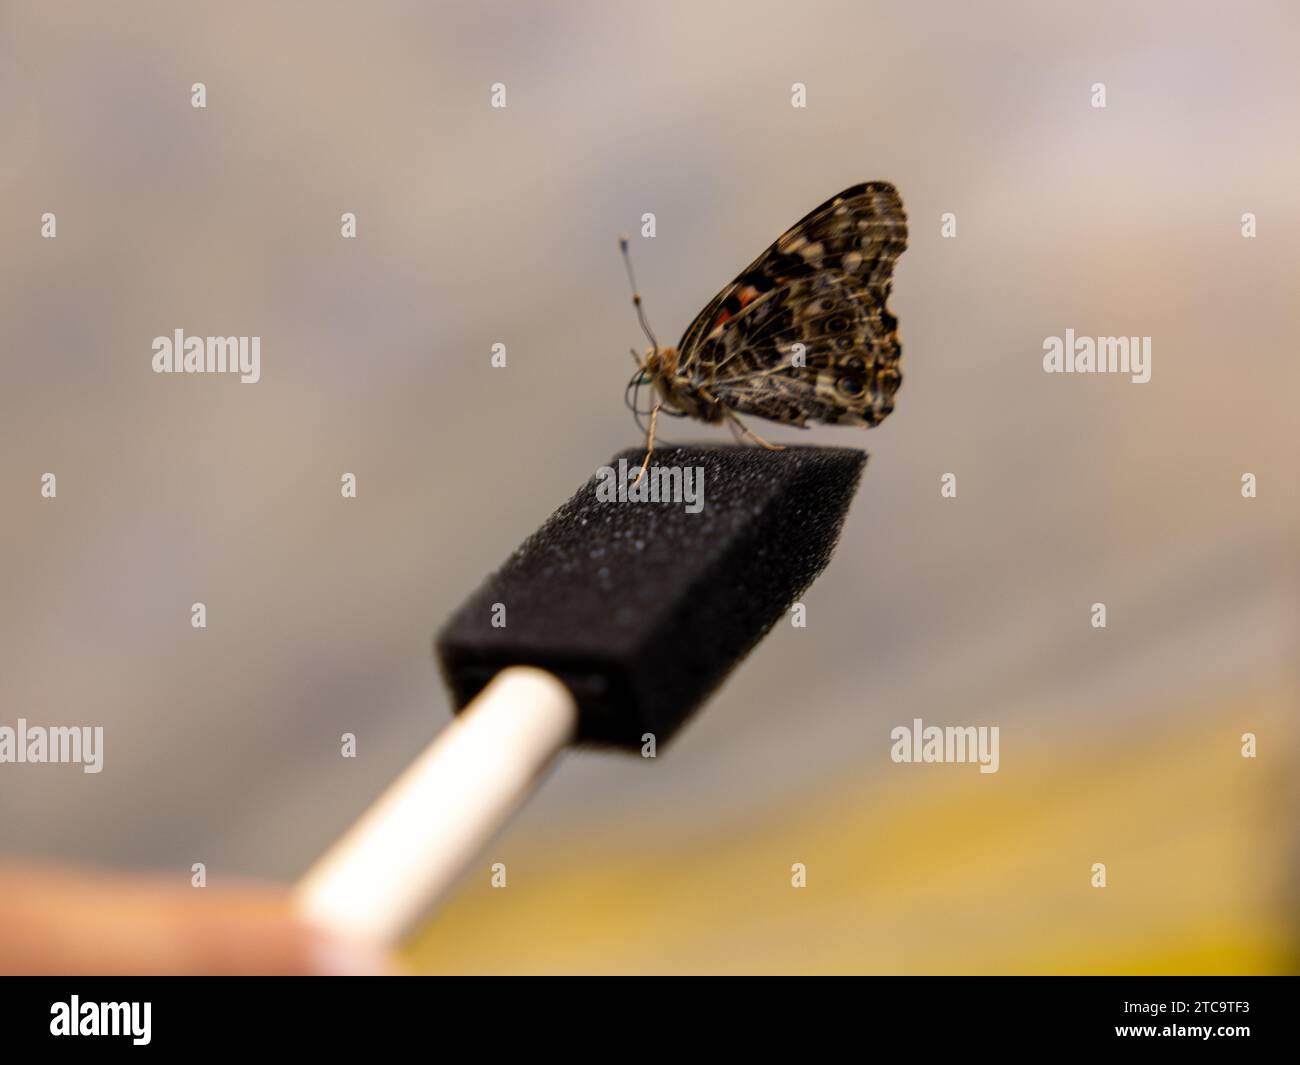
(803, 333)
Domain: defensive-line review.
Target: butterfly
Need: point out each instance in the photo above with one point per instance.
(802, 335)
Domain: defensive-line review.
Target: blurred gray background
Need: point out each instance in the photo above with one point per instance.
(477, 226)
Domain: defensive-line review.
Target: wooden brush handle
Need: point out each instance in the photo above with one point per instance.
(392, 866)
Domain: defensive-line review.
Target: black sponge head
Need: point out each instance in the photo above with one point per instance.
(643, 608)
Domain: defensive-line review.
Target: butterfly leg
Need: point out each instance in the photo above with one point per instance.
(650, 443)
(734, 419)
(750, 432)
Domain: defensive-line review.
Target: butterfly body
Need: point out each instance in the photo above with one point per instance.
(679, 391)
(802, 334)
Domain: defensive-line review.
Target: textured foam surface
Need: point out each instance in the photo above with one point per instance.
(643, 608)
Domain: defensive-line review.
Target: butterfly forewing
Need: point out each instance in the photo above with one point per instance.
(803, 333)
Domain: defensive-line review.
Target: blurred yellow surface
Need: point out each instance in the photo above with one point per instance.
(931, 869)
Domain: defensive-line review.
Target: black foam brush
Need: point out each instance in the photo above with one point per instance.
(615, 620)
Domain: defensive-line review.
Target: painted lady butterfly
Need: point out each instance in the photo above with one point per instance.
(801, 335)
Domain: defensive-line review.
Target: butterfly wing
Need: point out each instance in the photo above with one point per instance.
(822, 285)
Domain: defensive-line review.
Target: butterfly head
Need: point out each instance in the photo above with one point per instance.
(660, 362)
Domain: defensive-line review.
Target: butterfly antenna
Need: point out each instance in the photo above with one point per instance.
(636, 294)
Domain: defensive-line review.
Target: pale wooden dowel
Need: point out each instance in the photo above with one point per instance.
(389, 870)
